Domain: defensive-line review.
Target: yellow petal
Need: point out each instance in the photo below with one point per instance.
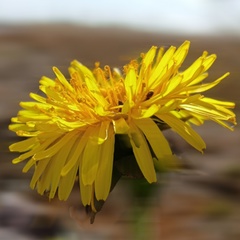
(104, 173)
(86, 191)
(95, 91)
(35, 150)
(130, 84)
(149, 56)
(149, 112)
(120, 126)
(208, 61)
(53, 94)
(90, 160)
(155, 137)
(29, 164)
(194, 70)
(80, 68)
(62, 79)
(38, 98)
(49, 152)
(103, 132)
(66, 183)
(184, 130)
(39, 169)
(47, 82)
(160, 68)
(48, 127)
(206, 86)
(228, 126)
(99, 109)
(208, 111)
(197, 79)
(181, 53)
(173, 84)
(219, 103)
(24, 145)
(50, 170)
(26, 115)
(74, 156)
(44, 182)
(169, 106)
(127, 105)
(56, 164)
(142, 153)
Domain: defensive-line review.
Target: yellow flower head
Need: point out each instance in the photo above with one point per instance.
(71, 131)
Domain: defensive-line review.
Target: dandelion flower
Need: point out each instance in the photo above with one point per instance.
(71, 130)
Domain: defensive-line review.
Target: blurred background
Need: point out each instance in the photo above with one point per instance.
(169, 16)
(200, 201)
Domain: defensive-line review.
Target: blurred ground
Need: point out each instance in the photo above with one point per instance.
(200, 202)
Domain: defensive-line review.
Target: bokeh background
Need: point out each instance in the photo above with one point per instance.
(201, 200)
